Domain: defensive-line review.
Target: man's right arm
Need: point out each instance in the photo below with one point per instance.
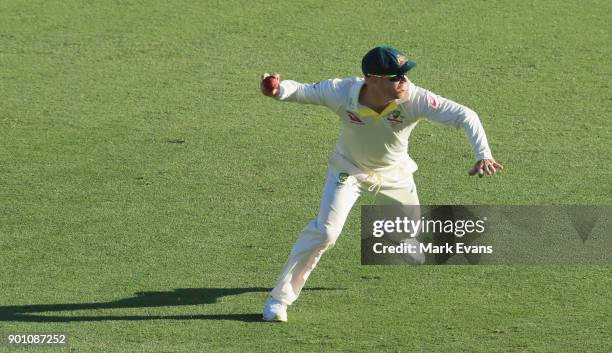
(327, 93)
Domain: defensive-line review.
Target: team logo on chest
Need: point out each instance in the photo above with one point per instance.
(354, 118)
(395, 118)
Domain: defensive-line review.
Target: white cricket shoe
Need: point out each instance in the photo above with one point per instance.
(416, 258)
(275, 311)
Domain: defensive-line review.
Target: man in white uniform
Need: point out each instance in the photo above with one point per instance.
(377, 113)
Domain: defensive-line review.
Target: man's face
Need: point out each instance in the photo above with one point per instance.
(390, 87)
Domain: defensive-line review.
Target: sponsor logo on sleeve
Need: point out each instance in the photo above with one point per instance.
(432, 101)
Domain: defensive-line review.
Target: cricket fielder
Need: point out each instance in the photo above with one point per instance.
(377, 115)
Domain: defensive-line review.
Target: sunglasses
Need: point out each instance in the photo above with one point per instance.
(393, 78)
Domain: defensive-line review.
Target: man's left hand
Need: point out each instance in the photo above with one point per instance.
(485, 167)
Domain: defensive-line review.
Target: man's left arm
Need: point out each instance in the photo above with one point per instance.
(447, 112)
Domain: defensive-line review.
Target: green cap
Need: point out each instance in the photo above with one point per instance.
(385, 61)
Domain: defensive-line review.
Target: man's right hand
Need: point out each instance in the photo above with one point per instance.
(269, 86)
(485, 167)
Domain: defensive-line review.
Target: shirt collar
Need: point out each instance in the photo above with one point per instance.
(369, 113)
(355, 107)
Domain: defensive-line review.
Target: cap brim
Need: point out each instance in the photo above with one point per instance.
(408, 65)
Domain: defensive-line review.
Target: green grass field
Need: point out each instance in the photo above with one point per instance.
(137, 155)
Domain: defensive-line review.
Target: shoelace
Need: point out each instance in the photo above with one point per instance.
(376, 180)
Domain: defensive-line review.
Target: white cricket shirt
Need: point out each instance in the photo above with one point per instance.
(372, 143)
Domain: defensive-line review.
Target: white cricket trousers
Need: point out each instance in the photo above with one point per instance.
(339, 196)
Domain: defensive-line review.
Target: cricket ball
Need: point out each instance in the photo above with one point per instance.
(270, 83)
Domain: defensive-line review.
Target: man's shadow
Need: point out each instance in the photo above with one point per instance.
(177, 297)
